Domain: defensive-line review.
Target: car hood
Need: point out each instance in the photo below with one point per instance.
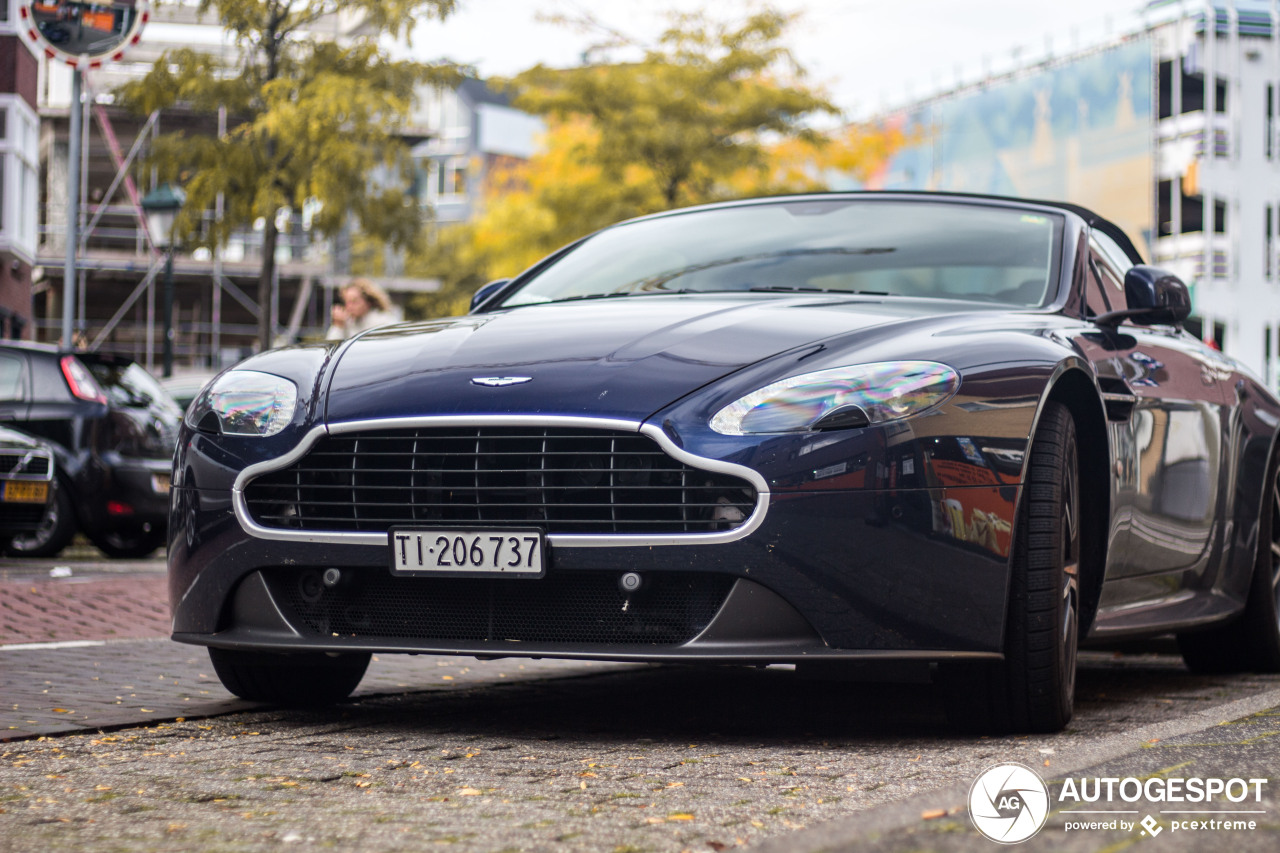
(625, 358)
(11, 439)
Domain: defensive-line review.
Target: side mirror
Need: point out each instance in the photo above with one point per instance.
(483, 294)
(1159, 293)
(1153, 296)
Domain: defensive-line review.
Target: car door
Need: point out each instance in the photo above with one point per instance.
(1169, 439)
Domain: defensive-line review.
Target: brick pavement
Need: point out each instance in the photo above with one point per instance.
(44, 609)
(91, 651)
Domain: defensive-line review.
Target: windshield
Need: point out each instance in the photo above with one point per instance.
(897, 248)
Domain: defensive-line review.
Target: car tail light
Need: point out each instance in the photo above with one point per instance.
(81, 381)
(118, 508)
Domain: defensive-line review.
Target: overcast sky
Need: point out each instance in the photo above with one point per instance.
(868, 55)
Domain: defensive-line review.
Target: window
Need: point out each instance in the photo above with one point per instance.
(19, 161)
(453, 178)
(1269, 243)
(1269, 143)
(1105, 288)
(1192, 210)
(444, 178)
(1192, 93)
(11, 379)
(1266, 353)
(1111, 250)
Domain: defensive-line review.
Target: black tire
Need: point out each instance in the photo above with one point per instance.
(1033, 688)
(1250, 643)
(55, 531)
(307, 679)
(128, 544)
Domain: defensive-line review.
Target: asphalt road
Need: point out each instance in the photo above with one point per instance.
(456, 754)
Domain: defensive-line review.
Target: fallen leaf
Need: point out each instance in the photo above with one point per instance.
(62, 711)
(933, 814)
(469, 792)
(680, 816)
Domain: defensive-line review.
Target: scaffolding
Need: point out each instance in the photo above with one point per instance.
(118, 263)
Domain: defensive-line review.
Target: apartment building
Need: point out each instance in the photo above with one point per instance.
(1169, 130)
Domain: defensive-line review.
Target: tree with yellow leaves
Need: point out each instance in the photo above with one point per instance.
(714, 111)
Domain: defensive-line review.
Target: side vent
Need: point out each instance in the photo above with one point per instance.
(1117, 398)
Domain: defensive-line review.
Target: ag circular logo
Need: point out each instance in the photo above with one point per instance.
(1009, 803)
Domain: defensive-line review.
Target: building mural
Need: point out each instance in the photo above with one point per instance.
(1078, 132)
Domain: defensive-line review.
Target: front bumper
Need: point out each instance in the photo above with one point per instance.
(828, 574)
(126, 492)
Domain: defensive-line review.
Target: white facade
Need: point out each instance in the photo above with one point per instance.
(1234, 103)
(1200, 187)
(19, 159)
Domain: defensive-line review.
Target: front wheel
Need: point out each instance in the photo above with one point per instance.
(1033, 688)
(306, 679)
(55, 531)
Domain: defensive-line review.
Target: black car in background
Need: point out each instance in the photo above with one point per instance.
(26, 470)
(112, 429)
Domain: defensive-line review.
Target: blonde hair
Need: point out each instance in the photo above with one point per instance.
(374, 295)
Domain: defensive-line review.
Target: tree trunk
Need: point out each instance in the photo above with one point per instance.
(265, 332)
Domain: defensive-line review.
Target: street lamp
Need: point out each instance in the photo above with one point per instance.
(162, 205)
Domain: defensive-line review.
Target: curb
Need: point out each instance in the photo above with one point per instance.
(842, 833)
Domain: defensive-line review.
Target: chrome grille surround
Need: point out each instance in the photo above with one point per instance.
(579, 540)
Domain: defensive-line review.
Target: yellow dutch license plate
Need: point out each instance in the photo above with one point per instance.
(23, 492)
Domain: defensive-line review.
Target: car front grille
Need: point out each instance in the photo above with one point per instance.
(36, 466)
(566, 607)
(561, 480)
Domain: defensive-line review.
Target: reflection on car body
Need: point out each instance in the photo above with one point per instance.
(944, 431)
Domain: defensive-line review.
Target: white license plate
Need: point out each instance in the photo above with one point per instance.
(467, 553)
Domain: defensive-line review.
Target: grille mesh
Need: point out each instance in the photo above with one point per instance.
(566, 607)
(37, 466)
(562, 480)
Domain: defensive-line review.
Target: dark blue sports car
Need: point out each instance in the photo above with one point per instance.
(961, 434)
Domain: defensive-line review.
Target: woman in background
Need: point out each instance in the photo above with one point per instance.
(364, 305)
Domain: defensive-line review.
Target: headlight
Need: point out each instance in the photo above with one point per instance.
(840, 398)
(244, 402)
